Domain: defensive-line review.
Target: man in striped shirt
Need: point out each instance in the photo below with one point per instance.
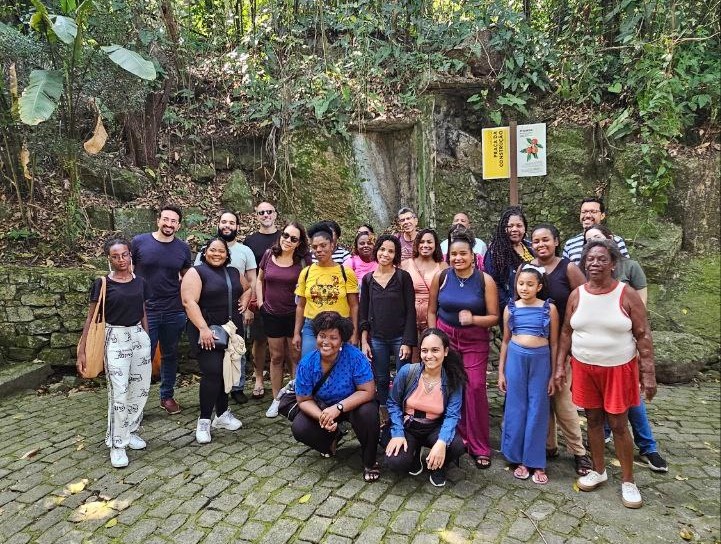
(593, 212)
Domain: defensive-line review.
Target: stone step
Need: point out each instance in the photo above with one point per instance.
(18, 376)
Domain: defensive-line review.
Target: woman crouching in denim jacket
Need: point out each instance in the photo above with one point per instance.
(424, 408)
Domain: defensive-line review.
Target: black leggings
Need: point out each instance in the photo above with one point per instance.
(363, 419)
(417, 438)
(212, 387)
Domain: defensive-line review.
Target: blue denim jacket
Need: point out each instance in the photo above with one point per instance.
(399, 394)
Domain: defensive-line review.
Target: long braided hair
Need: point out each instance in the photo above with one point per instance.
(503, 256)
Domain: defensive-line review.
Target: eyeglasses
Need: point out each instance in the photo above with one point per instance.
(290, 237)
(265, 212)
(121, 256)
(594, 212)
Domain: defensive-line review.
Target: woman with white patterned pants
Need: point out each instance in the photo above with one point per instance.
(127, 350)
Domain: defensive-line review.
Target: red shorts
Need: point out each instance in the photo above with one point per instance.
(613, 388)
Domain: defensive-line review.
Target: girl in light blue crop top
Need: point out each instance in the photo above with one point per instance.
(525, 374)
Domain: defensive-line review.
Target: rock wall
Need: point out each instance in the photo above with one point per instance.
(43, 313)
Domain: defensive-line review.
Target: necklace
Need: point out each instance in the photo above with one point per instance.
(462, 281)
(429, 385)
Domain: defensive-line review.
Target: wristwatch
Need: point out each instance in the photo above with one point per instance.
(339, 406)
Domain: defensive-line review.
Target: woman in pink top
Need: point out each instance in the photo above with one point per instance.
(605, 326)
(427, 261)
(362, 261)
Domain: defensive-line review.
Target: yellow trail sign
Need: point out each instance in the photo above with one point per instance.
(496, 153)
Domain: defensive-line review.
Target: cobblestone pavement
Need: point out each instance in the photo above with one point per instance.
(258, 485)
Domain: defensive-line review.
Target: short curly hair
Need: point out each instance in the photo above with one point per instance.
(610, 246)
(325, 321)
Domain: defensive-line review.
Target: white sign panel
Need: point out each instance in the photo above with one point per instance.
(531, 143)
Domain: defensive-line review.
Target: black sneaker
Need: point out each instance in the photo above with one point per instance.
(417, 466)
(239, 397)
(438, 477)
(655, 462)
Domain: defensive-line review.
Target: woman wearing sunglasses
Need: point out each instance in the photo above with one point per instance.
(278, 275)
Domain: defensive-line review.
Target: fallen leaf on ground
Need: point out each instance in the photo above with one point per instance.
(681, 478)
(685, 534)
(304, 499)
(576, 488)
(30, 454)
(615, 462)
(111, 523)
(92, 510)
(76, 487)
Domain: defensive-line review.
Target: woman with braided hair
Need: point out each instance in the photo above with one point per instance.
(507, 251)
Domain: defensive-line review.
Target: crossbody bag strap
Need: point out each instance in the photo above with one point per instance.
(100, 311)
(323, 379)
(230, 294)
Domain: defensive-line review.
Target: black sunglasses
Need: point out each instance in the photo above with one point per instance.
(265, 212)
(287, 236)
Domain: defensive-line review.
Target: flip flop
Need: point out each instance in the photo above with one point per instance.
(539, 477)
(521, 473)
(258, 392)
(582, 464)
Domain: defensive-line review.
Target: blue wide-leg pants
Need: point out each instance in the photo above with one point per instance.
(525, 420)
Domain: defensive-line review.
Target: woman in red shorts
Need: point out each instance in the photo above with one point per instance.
(605, 326)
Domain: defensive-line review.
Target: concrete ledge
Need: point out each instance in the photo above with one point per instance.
(19, 376)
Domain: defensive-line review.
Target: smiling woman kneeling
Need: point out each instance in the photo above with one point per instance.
(335, 383)
(425, 408)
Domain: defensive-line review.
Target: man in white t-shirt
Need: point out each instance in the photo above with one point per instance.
(461, 218)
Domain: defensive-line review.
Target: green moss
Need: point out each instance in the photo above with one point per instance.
(690, 300)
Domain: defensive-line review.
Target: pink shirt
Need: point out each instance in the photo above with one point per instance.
(360, 267)
(430, 403)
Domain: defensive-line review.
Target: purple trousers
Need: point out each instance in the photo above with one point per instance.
(473, 344)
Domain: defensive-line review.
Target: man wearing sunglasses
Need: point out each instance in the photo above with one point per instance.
(242, 258)
(259, 242)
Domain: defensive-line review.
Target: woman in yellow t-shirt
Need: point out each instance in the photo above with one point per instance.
(323, 286)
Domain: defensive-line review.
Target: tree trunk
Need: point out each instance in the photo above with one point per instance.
(141, 128)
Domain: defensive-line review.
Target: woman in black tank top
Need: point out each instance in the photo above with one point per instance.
(562, 277)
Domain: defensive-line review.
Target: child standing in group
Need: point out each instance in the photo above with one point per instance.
(525, 374)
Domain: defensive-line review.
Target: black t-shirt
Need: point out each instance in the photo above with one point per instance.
(259, 243)
(124, 301)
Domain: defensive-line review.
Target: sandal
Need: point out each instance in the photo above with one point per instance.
(258, 392)
(551, 453)
(521, 473)
(482, 461)
(372, 474)
(582, 464)
(539, 477)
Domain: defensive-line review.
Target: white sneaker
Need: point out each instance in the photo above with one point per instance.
(630, 495)
(273, 409)
(118, 457)
(202, 431)
(227, 421)
(136, 443)
(591, 481)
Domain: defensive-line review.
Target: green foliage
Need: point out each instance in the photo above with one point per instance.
(41, 96)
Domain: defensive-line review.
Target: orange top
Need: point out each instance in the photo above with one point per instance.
(430, 403)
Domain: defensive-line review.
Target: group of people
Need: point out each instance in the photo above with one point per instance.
(337, 320)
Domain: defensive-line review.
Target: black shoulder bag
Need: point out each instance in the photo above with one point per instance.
(288, 403)
(220, 335)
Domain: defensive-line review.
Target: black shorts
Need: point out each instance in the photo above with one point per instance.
(278, 326)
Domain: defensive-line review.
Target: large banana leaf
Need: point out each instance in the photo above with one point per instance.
(40, 97)
(65, 29)
(130, 61)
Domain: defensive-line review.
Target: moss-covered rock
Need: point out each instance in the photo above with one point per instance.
(99, 175)
(223, 159)
(689, 300)
(680, 356)
(237, 194)
(132, 221)
(100, 218)
(201, 173)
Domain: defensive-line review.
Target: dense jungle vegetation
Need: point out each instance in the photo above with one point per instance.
(137, 78)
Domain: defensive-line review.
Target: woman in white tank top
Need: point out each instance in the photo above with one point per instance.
(605, 326)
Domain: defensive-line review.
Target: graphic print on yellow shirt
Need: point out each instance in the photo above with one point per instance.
(325, 290)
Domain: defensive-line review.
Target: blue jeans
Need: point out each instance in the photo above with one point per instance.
(382, 351)
(307, 338)
(166, 328)
(641, 428)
